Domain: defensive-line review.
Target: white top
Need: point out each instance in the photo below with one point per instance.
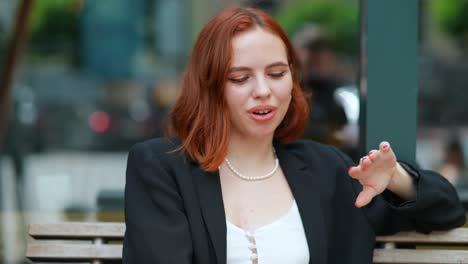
(282, 241)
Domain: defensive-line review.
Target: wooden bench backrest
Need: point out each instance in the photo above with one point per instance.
(72, 242)
(437, 247)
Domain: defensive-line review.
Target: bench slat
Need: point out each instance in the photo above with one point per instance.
(455, 236)
(43, 250)
(420, 256)
(73, 252)
(77, 230)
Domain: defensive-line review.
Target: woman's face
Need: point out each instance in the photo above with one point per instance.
(258, 89)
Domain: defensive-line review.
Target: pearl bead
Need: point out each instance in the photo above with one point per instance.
(253, 178)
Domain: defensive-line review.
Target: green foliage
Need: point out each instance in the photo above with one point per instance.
(338, 18)
(451, 16)
(54, 20)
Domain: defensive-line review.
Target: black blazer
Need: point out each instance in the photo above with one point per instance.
(174, 210)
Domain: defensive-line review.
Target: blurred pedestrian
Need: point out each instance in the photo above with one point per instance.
(322, 75)
(453, 166)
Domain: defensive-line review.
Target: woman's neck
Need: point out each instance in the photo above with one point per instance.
(252, 153)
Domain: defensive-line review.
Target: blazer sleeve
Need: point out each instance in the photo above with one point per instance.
(157, 230)
(436, 207)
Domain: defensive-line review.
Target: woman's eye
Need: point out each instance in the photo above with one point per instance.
(238, 80)
(277, 74)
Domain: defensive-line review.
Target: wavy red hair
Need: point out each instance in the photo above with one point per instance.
(200, 116)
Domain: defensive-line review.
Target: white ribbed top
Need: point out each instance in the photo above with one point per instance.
(282, 241)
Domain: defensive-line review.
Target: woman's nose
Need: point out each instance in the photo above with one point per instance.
(262, 89)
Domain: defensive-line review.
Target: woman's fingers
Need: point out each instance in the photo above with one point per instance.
(365, 196)
(374, 172)
(384, 147)
(353, 172)
(373, 155)
(365, 163)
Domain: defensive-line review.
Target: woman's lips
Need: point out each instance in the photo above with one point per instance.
(264, 117)
(262, 113)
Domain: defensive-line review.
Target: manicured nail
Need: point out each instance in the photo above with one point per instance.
(349, 168)
(385, 146)
(370, 153)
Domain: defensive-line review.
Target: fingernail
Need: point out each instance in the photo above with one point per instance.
(370, 152)
(385, 146)
(349, 168)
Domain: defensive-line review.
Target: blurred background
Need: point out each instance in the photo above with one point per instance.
(94, 77)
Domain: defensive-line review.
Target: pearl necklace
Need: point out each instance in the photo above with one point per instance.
(253, 178)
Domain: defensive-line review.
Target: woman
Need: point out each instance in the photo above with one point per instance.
(232, 188)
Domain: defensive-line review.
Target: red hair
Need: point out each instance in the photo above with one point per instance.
(200, 116)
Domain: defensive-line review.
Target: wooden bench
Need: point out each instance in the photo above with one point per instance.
(96, 243)
(102, 243)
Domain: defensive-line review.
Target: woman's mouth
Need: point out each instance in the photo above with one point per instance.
(262, 113)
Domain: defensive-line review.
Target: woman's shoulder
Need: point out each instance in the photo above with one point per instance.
(313, 152)
(162, 148)
(311, 148)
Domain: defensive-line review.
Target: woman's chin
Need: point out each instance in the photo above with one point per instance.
(257, 132)
(262, 134)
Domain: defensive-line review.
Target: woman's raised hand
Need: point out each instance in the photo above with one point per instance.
(375, 172)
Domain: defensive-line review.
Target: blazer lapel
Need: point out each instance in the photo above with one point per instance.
(212, 207)
(302, 181)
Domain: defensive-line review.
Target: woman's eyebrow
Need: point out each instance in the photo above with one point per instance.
(275, 64)
(234, 69)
